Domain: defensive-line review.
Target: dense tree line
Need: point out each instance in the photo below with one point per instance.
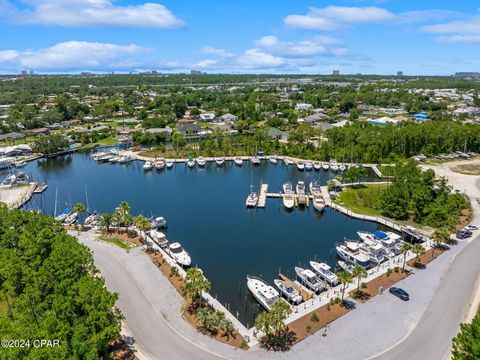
(417, 195)
(50, 144)
(49, 289)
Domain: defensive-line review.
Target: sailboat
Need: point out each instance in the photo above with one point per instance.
(148, 165)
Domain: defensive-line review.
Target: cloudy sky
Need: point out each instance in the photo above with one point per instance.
(240, 36)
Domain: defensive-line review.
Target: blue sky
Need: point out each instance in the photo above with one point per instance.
(240, 36)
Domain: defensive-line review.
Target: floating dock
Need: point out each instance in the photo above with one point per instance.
(262, 199)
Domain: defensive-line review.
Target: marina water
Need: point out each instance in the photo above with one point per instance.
(205, 210)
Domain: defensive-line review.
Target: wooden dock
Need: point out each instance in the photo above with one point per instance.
(304, 292)
(262, 199)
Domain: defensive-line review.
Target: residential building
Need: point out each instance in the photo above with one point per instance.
(275, 133)
(228, 118)
(189, 129)
(207, 116)
(303, 107)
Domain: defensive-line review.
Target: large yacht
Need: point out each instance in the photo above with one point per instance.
(374, 250)
(350, 252)
(324, 272)
(158, 237)
(310, 280)
(265, 294)
(288, 292)
(178, 253)
(390, 241)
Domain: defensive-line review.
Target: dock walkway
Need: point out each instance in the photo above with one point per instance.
(262, 199)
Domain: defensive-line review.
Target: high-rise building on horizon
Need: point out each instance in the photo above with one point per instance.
(399, 73)
(336, 72)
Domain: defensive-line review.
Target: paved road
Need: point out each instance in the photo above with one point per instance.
(431, 338)
(154, 337)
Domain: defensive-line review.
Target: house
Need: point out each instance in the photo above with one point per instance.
(228, 118)
(11, 136)
(54, 126)
(16, 150)
(421, 116)
(316, 117)
(38, 131)
(382, 121)
(165, 130)
(207, 116)
(303, 107)
(467, 111)
(189, 129)
(275, 133)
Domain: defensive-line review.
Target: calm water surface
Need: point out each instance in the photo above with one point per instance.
(205, 210)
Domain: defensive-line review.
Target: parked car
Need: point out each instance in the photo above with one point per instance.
(400, 293)
(470, 227)
(464, 234)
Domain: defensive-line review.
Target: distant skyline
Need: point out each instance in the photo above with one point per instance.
(311, 37)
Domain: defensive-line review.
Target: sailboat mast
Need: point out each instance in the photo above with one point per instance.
(86, 199)
(56, 197)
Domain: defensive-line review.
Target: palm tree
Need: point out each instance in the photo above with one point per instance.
(194, 286)
(440, 236)
(224, 324)
(418, 250)
(105, 221)
(344, 277)
(123, 211)
(142, 224)
(359, 272)
(79, 208)
(207, 318)
(404, 249)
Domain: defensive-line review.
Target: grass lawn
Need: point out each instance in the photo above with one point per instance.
(107, 141)
(116, 242)
(361, 200)
(468, 169)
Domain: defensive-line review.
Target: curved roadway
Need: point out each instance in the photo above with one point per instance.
(158, 338)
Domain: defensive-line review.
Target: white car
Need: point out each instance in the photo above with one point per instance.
(471, 227)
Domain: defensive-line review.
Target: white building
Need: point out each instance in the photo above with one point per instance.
(207, 116)
(303, 107)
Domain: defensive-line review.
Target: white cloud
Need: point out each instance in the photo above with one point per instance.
(334, 17)
(79, 13)
(208, 50)
(75, 55)
(459, 39)
(258, 59)
(462, 31)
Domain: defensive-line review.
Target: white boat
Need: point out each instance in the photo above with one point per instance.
(346, 266)
(71, 218)
(190, 162)
(300, 188)
(63, 215)
(310, 280)
(125, 159)
(288, 292)
(255, 160)
(324, 272)
(148, 165)
(350, 252)
(178, 253)
(105, 157)
(252, 200)
(374, 250)
(273, 159)
(300, 165)
(308, 166)
(20, 164)
(201, 161)
(91, 219)
(238, 161)
(97, 155)
(169, 164)
(317, 165)
(287, 188)
(318, 202)
(333, 165)
(265, 294)
(160, 164)
(158, 237)
(219, 161)
(158, 222)
(315, 187)
(342, 168)
(114, 159)
(325, 166)
(288, 200)
(389, 241)
(288, 161)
